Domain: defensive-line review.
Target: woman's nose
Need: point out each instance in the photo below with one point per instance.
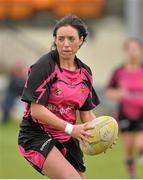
(66, 42)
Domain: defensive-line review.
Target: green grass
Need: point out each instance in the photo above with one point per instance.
(13, 165)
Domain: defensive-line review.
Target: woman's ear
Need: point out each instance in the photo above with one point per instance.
(55, 40)
(81, 41)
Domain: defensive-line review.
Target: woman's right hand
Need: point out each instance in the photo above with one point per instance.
(80, 132)
(116, 94)
(121, 93)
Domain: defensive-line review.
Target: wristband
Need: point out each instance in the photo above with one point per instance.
(69, 128)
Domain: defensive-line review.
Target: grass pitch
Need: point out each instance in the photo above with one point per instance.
(13, 165)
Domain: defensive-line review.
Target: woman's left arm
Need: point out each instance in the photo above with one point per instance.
(86, 116)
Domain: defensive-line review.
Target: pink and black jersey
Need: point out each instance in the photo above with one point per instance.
(61, 91)
(131, 106)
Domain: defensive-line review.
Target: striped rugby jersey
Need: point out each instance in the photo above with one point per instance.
(61, 91)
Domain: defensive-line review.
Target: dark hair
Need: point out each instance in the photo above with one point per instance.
(132, 39)
(73, 21)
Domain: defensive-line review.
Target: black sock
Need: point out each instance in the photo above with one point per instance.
(131, 168)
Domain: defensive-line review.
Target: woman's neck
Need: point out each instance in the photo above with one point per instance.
(69, 64)
(133, 65)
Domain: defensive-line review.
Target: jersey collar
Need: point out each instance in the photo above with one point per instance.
(55, 57)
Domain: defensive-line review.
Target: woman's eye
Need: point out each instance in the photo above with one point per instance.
(71, 39)
(61, 39)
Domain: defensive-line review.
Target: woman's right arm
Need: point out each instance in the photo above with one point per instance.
(40, 112)
(116, 93)
(46, 116)
(113, 89)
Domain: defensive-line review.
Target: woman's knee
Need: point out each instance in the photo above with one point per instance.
(57, 167)
(139, 141)
(128, 143)
(62, 174)
(82, 174)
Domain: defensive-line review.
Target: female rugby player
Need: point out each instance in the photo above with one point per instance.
(126, 86)
(58, 85)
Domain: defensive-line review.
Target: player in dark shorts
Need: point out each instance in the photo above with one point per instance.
(58, 85)
(126, 86)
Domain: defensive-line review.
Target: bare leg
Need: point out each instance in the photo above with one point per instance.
(57, 167)
(82, 174)
(128, 142)
(139, 141)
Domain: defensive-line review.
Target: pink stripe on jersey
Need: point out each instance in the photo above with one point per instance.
(87, 73)
(29, 70)
(41, 88)
(27, 110)
(33, 156)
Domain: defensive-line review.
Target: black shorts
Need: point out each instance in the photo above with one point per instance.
(129, 125)
(35, 147)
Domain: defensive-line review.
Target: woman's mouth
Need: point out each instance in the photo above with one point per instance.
(67, 51)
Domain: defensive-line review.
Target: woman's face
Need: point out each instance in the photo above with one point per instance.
(133, 51)
(67, 41)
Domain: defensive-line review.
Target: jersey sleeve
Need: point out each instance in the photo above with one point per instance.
(38, 83)
(91, 102)
(113, 82)
(92, 99)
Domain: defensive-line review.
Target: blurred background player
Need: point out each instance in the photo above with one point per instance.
(126, 87)
(17, 78)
